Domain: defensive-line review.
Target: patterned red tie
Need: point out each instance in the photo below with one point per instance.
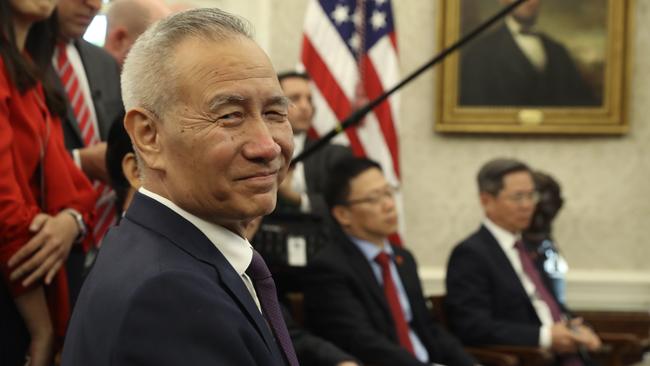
(390, 291)
(105, 205)
(532, 273)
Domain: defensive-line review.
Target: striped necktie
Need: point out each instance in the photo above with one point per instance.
(105, 205)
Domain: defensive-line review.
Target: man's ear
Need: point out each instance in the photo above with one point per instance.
(486, 200)
(341, 215)
(131, 171)
(116, 39)
(144, 130)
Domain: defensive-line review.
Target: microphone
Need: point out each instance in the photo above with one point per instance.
(358, 115)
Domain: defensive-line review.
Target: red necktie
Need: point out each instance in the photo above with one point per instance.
(105, 205)
(390, 291)
(532, 273)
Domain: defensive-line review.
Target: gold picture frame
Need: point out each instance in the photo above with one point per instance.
(487, 98)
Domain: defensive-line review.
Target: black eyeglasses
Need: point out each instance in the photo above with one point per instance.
(375, 197)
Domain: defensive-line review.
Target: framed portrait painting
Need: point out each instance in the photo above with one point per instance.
(550, 67)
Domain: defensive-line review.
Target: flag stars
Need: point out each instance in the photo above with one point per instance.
(355, 41)
(341, 14)
(378, 20)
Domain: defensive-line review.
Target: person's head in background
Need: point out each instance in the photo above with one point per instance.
(207, 117)
(549, 205)
(30, 27)
(74, 17)
(295, 86)
(122, 167)
(126, 20)
(361, 200)
(507, 193)
(182, 6)
(525, 14)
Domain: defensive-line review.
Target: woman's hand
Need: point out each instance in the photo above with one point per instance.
(47, 251)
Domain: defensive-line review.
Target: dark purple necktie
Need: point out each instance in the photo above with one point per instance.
(268, 297)
(532, 273)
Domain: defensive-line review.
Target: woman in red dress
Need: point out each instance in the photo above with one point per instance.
(45, 201)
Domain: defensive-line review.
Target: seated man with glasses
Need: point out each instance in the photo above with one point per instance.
(495, 293)
(363, 294)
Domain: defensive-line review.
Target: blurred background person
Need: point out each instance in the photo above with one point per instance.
(45, 200)
(89, 78)
(539, 235)
(126, 20)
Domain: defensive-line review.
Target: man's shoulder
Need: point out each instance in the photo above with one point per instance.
(96, 56)
(474, 242)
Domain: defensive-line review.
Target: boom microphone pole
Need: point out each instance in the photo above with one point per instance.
(358, 115)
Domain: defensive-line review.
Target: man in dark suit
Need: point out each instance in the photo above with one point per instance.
(90, 79)
(363, 293)
(304, 186)
(495, 294)
(177, 283)
(517, 66)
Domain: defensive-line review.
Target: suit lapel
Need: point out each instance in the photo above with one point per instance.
(360, 265)
(94, 85)
(159, 218)
(508, 273)
(309, 171)
(516, 62)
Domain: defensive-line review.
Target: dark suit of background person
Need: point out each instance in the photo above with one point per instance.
(345, 302)
(317, 166)
(169, 285)
(103, 77)
(494, 71)
(488, 300)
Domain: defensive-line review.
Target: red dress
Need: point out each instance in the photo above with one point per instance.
(37, 174)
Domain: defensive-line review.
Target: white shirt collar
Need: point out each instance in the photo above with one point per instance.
(505, 238)
(236, 249)
(299, 142)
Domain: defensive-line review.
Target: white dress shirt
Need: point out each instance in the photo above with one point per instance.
(530, 44)
(237, 250)
(298, 183)
(507, 241)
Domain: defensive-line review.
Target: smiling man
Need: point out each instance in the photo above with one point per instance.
(177, 283)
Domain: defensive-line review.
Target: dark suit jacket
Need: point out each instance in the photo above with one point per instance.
(486, 303)
(495, 72)
(345, 304)
(310, 349)
(103, 76)
(160, 293)
(317, 168)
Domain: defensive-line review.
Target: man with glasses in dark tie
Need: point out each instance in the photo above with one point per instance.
(495, 293)
(363, 293)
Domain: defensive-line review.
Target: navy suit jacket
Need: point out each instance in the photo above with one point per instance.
(160, 293)
(345, 304)
(486, 304)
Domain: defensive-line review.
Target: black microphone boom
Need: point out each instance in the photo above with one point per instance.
(358, 115)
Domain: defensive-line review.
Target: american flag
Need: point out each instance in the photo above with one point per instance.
(349, 50)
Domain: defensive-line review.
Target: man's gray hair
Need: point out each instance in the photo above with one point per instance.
(149, 76)
(490, 177)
